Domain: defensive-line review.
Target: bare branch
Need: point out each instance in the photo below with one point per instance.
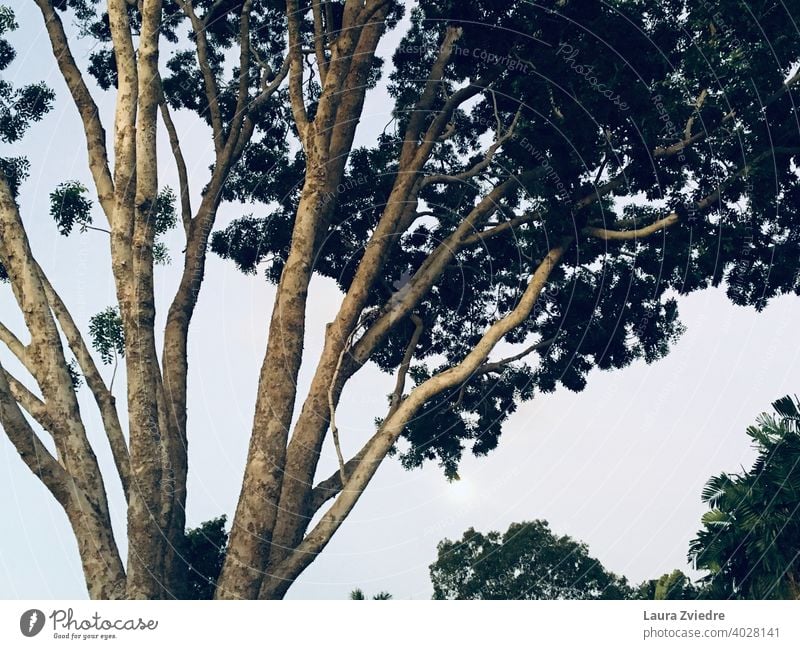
(332, 415)
(638, 233)
(319, 41)
(295, 58)
(84, 102)
(500, 365)
(392, 427)
(30, 448)
(102, 395)
(698, 104)
(400, 383)
(180, 164)
(209, 79)
(32, 404)
(428, 96)
(10, 340)
(481, 165)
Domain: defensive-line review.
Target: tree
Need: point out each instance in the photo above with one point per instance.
(528, 561)
(204, 554)
(750, 540)
(671, 585)
(357, 593)
(525, 192)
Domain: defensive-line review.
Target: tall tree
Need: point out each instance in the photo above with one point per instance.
(553, 174)
(527, 561)
(750, 540)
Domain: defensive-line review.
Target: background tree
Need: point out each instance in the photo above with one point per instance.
(671, 585)
(528, 561)
(552, 176)
(357, 593)
(750, 541)
(204, 553)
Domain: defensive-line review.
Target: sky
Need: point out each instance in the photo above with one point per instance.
(619, 466)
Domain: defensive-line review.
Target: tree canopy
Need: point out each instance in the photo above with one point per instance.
(528, 561)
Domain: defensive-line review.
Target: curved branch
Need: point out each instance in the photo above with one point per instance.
(180, 164)
(377, 448)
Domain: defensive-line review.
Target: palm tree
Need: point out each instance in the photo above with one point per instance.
(750, 541)
(357, 593)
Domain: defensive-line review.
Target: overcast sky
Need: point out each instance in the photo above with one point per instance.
(619, 466)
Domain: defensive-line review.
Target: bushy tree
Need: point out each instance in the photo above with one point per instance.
(204, 553)
(528, 561)
(552, 176)
(750, 540)
(671, 585)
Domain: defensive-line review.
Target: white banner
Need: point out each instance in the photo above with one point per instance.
(377, 624)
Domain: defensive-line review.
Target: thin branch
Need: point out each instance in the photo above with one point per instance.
(332, 415)
(209, 79)
(423, 105)
(180, 163)
(270, 89)
(330, 487)
(295, 58)
(496, 366)
(400, 383)
(84, 102)
(481, 165)
(319, 41)
(698, 104)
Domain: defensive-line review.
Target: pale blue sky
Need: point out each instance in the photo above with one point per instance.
(619, 466)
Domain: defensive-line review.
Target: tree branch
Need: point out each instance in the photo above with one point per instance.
(84, 102)
(319, 41)
(392, 427)
(103, 397)
(180, 164)
(295, 58)
(15, 346)
(481, 165)
(400, 383)
(209, 79)
(497, 366)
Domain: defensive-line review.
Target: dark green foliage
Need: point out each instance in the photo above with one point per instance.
(166, 217)
(357, 593)
(528, 561)
(165, 214)
(74, 374)
(108, 336)
(602, 86)
(750, 541)
(69, 206)
(15, 170)
(19, 107)
(671, 585)
(204, 553)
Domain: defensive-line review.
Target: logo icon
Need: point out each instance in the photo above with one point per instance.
(31, 622)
